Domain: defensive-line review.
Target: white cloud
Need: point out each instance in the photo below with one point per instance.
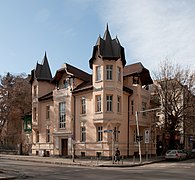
(152, 30)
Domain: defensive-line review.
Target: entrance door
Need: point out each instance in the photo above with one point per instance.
(64, 147)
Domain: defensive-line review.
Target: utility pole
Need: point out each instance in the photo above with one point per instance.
(138, 134)
(139, 142)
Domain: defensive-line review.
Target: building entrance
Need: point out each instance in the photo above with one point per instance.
(64, 143)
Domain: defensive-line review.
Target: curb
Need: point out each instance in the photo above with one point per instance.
(49, 161)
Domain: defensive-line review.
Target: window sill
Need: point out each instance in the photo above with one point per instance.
(98, 81)
(98, 112)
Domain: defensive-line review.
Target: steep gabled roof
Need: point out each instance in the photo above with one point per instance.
(139, 70)
(72, 71)
(46, 96)
(83, 87)
(108, 48)
(42, 71)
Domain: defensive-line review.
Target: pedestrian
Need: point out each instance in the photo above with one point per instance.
(117, 155)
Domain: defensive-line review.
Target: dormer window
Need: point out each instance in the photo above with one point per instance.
(135, 80)
(98, 73)
(65, 83)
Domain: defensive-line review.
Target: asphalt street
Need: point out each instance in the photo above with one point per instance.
(41, 171)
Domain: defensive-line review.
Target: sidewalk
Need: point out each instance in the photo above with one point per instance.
(130, 162)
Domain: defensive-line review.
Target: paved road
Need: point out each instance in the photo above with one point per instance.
(40, 171)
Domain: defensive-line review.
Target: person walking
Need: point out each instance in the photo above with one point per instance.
(117, 155)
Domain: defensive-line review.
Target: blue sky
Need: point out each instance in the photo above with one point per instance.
(149, 30)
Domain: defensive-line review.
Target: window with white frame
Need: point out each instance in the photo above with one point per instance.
(83, 105)
(118, 104)
(119, 74)
(99, 133)
(98, 103)
(109, 99)
(109, 69)
(47, 112)
(98, 73)
(62, 114)
(83, 134)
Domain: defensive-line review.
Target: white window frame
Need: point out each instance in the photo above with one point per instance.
(99, 133)
(109, 103)
(98, 73)
(62, 115)
(118, 104)
(109, 71)
(83, 134)
(119, 74)
(83, 105)
(98, 103)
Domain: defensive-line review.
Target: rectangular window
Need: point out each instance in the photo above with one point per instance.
(62, 115)
(136, 80)
(35, 91)
(116, 134)
(144, 108)
(109, 102)
(99, 133)
(132, 107)
(83, 105)
(83, 134)
(35, 114)
(65, 83)
(37, 136)
(47, 112)
(98, 73)
(134, 136)
(119, 74)
(109, 72)
(47, 135)
(98, 103)
(118, 104)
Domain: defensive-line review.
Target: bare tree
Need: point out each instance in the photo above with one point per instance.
(15, 100)
(175, 87)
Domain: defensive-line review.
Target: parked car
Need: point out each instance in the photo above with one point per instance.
(193, 153)
(188, 152)
(175, 155)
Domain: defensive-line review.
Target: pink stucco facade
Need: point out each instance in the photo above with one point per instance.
(69, 117)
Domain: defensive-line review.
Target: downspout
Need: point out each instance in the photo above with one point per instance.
(74, 116)
(128, 131)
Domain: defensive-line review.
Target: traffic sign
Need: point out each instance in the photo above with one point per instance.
(108, 130)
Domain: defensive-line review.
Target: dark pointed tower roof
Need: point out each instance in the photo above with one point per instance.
(108, 48)
(42, 71)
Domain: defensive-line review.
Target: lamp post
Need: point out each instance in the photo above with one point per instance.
(138, 134)
(139, 142)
